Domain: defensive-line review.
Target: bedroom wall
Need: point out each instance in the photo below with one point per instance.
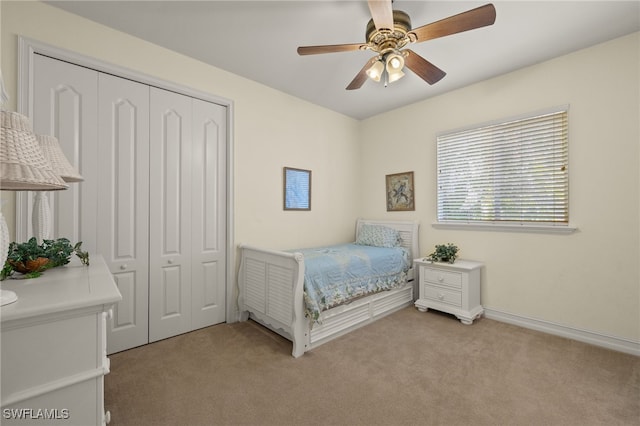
(271, 129)
(588, 280)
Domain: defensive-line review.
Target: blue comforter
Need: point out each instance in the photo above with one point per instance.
(338, 274)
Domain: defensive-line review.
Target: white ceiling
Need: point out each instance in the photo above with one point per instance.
(258, 40)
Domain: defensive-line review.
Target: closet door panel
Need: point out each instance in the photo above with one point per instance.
(65, 106)
(209, 214)
(123, 204)
(170, 215)
(171, 144)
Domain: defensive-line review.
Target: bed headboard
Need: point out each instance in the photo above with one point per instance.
(408, 232)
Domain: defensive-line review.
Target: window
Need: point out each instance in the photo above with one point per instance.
(509, 173)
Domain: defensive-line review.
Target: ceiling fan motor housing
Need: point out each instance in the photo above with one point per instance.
(385, 40)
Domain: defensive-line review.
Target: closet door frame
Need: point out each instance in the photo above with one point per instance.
(27, 48)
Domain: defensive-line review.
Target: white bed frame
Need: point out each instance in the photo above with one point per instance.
(271, 293)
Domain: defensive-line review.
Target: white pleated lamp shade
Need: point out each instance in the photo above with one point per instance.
(23, 166)
(61, 166)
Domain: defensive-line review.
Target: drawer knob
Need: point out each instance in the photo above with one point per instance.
(440, 278)
(440, 296)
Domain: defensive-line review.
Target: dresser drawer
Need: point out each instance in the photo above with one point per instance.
(453, 298)
(440, 277)
(48, 352)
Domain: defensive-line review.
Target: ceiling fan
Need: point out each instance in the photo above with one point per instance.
(389, 31)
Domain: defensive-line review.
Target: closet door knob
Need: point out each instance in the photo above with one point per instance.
(170, 262)
(123, 267)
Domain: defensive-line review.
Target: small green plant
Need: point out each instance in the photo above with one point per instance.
(444, 253)
(32, 259)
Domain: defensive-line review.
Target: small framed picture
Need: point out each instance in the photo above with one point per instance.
(400, 193)
(297, 189)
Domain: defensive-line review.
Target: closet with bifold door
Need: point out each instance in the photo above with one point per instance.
(153, 202)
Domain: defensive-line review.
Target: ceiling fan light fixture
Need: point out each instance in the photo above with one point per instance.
(389, 31)
(394, 66)
(375, 71)
(395, 61)
(395, 75)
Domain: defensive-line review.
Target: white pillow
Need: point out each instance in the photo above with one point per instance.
(378, 236)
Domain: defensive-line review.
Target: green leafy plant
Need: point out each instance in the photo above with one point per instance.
(31, 258)
(444, 253)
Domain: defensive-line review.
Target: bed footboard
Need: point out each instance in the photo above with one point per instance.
(270, 289)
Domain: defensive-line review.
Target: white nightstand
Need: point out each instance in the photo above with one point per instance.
(450, 287)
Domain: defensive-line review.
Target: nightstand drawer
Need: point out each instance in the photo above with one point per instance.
(443, 296)
(440, 277)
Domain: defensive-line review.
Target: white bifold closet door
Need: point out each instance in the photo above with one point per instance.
(123, 204)
(153, 201)
(64, 105)
(186, 278)
(170, 202)
(208, 214)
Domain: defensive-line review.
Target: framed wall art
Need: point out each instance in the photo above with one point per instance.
(297, 189)
(400, 193)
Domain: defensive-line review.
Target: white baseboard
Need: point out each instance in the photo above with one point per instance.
(598, 339)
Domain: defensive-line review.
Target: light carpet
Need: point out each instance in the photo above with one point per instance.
(407, 368)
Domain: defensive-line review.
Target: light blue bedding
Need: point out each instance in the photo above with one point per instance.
(338, 274)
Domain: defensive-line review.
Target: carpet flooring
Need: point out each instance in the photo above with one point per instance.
(409, 368)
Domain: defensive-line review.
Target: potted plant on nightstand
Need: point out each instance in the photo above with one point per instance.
(443, 253)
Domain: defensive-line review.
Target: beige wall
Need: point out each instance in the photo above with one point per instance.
(271, 129)
(588, 280)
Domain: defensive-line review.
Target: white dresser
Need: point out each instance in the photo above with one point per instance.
(450, 287)
(53, 346)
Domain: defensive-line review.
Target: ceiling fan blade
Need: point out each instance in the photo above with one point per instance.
(423, 68)
(475, 18)
(382, 13)
(361, 77)
(329, 48)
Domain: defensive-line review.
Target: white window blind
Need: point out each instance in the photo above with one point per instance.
(514, 172)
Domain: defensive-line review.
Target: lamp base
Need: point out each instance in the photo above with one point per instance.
(7, 296)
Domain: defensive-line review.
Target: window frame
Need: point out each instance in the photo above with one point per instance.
(504, 225)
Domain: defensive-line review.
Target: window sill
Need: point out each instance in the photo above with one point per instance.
(540, 229)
